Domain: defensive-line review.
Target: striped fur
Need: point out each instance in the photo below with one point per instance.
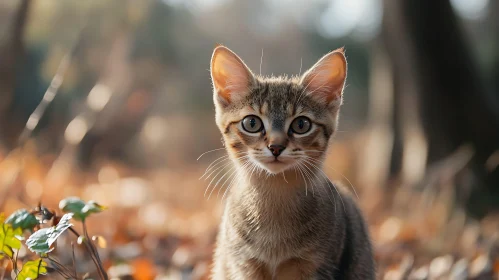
(283, 218)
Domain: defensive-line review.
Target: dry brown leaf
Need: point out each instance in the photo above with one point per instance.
(143, 269)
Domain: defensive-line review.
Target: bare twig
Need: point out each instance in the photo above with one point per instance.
(51, 92)
(42, 106)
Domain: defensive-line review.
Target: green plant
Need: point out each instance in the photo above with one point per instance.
(42, 227)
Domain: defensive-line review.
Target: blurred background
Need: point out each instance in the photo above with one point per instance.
(112, 101)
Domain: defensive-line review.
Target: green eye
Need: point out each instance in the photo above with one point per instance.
(301, 125)
(252, 124)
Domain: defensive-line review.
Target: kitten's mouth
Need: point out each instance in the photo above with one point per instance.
(276, 160)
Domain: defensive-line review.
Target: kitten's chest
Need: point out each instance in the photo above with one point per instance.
(272, 230)
(270, 240)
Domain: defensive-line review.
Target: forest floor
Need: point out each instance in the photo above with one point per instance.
(160, 225)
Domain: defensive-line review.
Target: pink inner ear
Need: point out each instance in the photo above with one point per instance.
(326, 78)
(230, 75)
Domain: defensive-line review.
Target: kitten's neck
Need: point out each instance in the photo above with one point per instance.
(272, 198)
(284, 185)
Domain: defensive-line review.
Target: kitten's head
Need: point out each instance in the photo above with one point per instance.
(277, 123)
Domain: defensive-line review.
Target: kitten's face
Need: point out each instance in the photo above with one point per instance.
(277, 123)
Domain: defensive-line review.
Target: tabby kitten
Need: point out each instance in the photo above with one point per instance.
(283, 219)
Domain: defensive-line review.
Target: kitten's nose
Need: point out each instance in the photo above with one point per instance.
(276, 149)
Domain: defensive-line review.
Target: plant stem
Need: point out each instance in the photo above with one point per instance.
(61, 267)
(74, 261)
(94, 256)
(15, 260)
(100, 268)
(61, 272)
(86, 246)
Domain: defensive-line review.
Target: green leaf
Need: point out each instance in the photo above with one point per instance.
(6, 251)
(79, 208)
(8, 238)
(32, 269)
(72, 204)
(41, 241)
(22, 219)
(93, 207)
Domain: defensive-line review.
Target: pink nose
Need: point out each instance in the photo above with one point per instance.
(276, 149)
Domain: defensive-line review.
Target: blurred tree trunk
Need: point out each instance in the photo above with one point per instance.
(431, 60)
(406, 105)
(494, 16)
(11, 53)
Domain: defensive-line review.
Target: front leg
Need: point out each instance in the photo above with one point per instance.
(296, 269)
(251, 269)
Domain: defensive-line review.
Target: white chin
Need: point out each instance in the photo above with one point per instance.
(275, 167)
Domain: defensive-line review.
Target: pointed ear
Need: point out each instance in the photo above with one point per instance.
(231, 77)
(326, 79)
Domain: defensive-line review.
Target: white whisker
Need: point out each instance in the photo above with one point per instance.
(214, 150)
(220, 169)
(305, 177)
(350, 183)
(233, 175)
(284, 177)
(327, 180)
(312, 174)
(213, 179)
(213, 166)
(218, 161)
(238, 176)
(261, 62)
(216, 167)
(301, 64)
(223, 176)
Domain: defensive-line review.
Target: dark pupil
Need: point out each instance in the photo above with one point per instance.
(252, 122)
(301, 123)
